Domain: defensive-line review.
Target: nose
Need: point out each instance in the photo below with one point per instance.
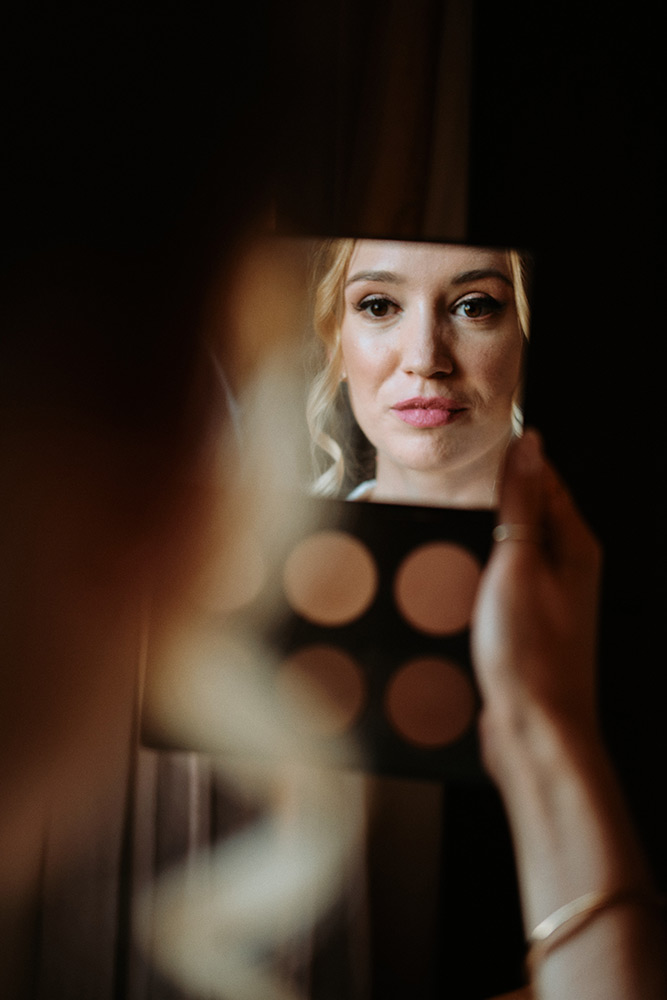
(427, 346)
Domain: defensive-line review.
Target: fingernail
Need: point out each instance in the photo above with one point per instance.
(528, 453)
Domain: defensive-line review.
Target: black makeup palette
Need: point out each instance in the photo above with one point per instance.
(378, 617)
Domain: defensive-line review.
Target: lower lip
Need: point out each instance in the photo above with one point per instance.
(432, 417)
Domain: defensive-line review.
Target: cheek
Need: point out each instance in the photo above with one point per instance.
(366, 364)
(497, 370)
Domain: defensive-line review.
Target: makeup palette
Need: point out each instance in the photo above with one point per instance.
(378, 620)
(372, 617)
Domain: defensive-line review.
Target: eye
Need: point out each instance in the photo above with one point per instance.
(377, 306)
(477, 307)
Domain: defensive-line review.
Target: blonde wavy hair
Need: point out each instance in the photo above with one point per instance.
(339, 448)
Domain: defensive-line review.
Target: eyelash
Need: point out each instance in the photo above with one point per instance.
(369, 301)
(490, 306)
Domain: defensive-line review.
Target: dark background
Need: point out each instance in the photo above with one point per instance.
(139, 146)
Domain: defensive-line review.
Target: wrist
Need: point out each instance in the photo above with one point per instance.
(526, 742)
(571, 831)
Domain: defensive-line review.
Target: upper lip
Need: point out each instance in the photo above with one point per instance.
(428, 403)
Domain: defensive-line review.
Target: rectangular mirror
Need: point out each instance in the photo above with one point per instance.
(419, 375)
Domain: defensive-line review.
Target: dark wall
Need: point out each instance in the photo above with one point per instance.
(567, 157)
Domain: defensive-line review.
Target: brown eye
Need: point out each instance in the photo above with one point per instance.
(477, 307)
(377, 306)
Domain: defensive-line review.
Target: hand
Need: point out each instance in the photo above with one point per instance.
(534, 623)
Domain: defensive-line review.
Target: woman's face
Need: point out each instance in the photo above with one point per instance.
(431, 349)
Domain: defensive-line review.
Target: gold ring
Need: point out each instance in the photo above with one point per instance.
(514, 533)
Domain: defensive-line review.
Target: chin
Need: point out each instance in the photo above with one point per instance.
(427, 464)
(440, 461)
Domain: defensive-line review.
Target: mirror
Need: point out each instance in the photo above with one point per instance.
(412, 358)
(418, 385)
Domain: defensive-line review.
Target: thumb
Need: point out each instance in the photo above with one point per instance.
(521, 492)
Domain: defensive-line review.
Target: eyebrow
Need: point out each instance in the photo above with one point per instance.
(461, 279)
(477, 275)
(390, 276)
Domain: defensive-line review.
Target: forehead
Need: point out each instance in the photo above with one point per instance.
(439, 262)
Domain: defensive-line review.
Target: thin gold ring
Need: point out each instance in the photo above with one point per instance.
(514, 533)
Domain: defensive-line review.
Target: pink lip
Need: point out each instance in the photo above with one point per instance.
(433, 411)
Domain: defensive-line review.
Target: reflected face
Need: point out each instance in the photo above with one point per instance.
(431, 348)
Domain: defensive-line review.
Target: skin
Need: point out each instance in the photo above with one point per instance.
(533, 644)
(429, 321)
